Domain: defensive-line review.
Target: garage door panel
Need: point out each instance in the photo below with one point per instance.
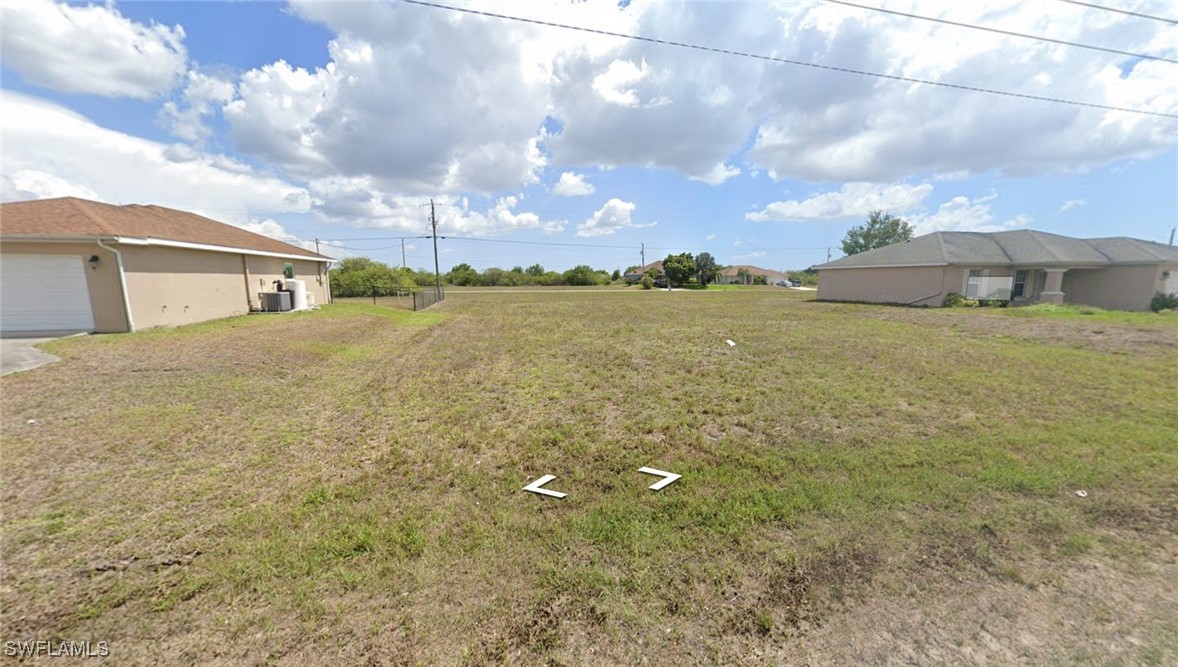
(44, 293)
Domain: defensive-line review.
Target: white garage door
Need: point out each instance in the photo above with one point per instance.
(44, 293)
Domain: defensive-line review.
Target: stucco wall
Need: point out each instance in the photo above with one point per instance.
(918, 286)
(1118, 287)
(106, 295)
(263, 271)
(175, 286)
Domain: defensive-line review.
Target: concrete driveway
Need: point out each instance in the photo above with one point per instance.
(18, 354)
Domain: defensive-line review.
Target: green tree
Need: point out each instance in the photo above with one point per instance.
(705, 268)
(463, 274)
(617, 275)
(580, 275)
(361, 276)
(881, 229)
(679, 268)
(535, 270)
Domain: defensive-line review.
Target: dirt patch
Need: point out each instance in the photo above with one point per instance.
(1095, 335)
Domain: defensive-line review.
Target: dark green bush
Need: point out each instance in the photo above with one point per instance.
(1162, 301)
(955, 300)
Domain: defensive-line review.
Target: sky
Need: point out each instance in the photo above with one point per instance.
(340, 121)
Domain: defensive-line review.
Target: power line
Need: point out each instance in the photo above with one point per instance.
(1122, 11)
(788, 61)
(973, 26)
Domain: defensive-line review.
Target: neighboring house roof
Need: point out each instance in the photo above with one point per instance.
(734, 271)
(1017, 248)
(656, 266)
(70, 217)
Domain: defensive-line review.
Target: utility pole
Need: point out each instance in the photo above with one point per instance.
(437, 272)
(1175, 229)
(644, 255)
(317, 245)
(828, 254)
(403, 264)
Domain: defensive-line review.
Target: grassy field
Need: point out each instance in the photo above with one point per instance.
(860, 484)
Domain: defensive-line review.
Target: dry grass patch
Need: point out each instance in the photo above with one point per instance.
(345, 484)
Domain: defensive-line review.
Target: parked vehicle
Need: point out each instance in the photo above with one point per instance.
(783, 283)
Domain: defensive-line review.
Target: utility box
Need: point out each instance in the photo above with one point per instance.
(275, 302)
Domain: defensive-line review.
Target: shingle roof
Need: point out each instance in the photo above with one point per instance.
(1014, 248)
(734, 270)
(73, 217)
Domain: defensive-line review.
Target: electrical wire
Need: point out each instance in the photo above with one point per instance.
(789, 61)
(1123, 11)
(1000, 31)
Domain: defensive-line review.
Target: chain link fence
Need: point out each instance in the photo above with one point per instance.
(424, 298)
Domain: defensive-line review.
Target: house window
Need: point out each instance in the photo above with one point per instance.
(973, 282)
(288, 270)
(1020, 284)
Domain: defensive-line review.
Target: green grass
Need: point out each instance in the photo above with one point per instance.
(1092, 313)
(359, 468)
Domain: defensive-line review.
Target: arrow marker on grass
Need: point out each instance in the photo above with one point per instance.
(534, 487)
(669, 477)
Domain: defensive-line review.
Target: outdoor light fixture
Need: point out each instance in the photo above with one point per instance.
(93, 262)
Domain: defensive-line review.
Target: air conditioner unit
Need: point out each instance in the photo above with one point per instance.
(275, 302)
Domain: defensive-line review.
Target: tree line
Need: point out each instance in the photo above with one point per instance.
(361, 276)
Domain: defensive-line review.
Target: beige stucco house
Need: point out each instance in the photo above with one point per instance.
(1022, 266)
(70, 265)
(746, 274)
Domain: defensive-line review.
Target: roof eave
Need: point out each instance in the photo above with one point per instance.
(147, 241)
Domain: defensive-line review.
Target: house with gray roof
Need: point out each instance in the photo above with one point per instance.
(1022, 267)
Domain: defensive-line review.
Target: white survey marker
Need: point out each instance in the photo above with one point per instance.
(534, 487)
(730, 343)
(669, 477)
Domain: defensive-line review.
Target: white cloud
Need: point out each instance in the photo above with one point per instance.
(90, 49)
(850, 201)
(572, 185)
(50, 151)
(756, 254)
(612, 84)
(1070, 204)
(615, 215)
(720, 173)
(390, 107)
(357, 202)
(709, 237)
(962, 214)
(202, 95)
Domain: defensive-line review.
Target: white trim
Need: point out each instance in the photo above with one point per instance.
(215, 248)
(160, 242)
(123, 284)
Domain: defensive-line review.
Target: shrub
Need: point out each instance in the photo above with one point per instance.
(647, 282)
(955, 300)
(1162, 301)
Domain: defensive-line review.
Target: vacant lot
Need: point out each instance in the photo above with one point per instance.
(859, 484)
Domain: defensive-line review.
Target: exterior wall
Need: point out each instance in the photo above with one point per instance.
(916, 286)
(263, 271)
(174, 286)
(106, 293)
(1116, 287)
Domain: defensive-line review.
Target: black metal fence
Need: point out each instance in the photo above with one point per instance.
(426, 297)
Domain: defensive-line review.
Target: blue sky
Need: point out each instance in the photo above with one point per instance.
(339, 121)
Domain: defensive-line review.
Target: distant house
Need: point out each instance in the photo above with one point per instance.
(744, 274)
(655, 267)
(71, 265)
(1022, 267)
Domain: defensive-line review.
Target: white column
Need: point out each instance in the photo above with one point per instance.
(1052, 287)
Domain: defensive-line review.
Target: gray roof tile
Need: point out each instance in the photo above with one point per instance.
(1022, 247)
